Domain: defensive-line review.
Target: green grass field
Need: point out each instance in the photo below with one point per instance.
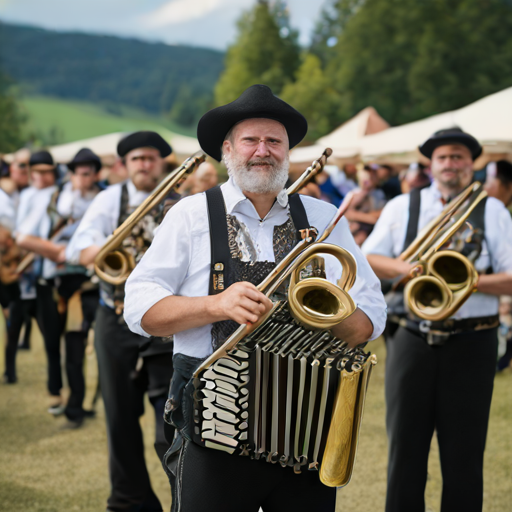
(46, 469)
(76, 120)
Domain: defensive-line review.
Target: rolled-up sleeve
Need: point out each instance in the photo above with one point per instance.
(498, 235)
(163, 268)
(388, 229)
(96, 225)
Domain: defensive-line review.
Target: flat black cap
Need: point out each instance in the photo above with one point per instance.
(144, 139)
(42, 157)
(85, 156)
(451, 136)
(257, 101)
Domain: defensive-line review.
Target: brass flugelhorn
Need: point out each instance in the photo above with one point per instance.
(319, 418)
(442, 279)
(113, 264)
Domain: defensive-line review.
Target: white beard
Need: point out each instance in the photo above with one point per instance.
(254, 182)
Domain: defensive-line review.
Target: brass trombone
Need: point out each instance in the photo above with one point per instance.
(113, 264)
(442, 279)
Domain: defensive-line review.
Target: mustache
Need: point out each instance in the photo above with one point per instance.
(261, 161)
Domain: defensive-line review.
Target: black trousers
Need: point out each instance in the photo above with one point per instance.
(19, 311)
(50, 323)
(123, 389)
(214, 481)
(445, 388)
(75, 351)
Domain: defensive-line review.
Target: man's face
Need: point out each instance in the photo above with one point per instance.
(452, 166)
(145, 168)
(19, 173)
(84, 177)
(501, 191)
(350, 171)
(43, 178)
(257, 155)
(205, 178)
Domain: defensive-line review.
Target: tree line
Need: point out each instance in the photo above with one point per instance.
(407, 58)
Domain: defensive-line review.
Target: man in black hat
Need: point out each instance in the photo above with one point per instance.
(46, 231)
(439, 375)
(254, 222)
(125, 372)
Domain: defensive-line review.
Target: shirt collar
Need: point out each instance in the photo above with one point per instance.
(135, 196)
(233, 196)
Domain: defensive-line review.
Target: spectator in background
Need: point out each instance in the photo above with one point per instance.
(498, 182)
(18, 176)
(345, 180)
(414, 177)
(204, 178)
(388, 182)
(324, 186)
(366, 206)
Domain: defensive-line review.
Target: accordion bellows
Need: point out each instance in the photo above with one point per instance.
(288, 395)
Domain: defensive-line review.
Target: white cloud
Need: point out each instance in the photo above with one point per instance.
(180, 11)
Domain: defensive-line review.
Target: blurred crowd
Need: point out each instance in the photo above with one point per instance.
(26, 175)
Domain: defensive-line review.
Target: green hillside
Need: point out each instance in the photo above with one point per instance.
(60, 121)
(153, 77)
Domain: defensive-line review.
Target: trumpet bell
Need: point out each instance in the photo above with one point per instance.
(427, 296)
(451, 267)
(319, 304)
(115, 267)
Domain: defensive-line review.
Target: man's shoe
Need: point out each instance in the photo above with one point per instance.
(73, 424)
(56, 406)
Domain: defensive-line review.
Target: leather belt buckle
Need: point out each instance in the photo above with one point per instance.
(424, 326)
(437, 338)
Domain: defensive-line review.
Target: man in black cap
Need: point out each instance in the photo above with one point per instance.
(439, 375)
(46, 232)
(251, 219)
(125, 372)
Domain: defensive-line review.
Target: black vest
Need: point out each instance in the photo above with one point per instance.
(232, 256)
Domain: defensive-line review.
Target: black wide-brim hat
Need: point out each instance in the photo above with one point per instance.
(85, 156)
(144, 139)
(41, 161)
(257, 101)
(451, 136)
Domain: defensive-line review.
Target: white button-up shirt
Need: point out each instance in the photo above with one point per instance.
(101, 219)
(388, 237)
(178, 261)
(7, 213)
(38, 223)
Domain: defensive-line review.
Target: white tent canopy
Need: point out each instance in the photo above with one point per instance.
(106, 145)
(488, 119)
(345, 140)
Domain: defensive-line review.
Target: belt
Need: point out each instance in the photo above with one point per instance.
(436, 333)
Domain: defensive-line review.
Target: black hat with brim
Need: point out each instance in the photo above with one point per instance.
(451, 136)
(257, 101)
(41, 161)
(85, 156)
(144, 139)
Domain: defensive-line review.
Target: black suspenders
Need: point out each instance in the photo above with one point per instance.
(220, 255)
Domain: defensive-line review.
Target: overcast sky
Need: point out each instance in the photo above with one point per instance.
(210, 23)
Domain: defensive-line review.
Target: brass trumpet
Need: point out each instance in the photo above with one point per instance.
(113, 264)
(442, 279)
